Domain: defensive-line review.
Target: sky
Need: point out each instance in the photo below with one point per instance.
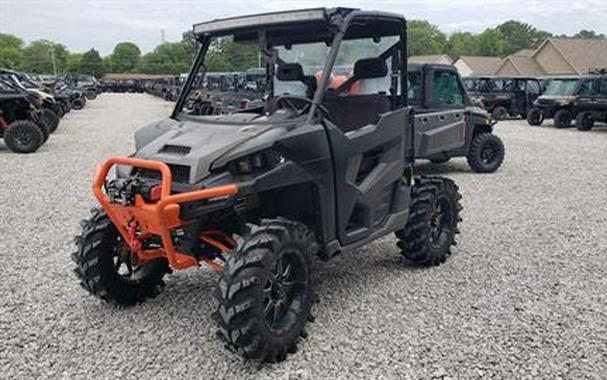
(83, 24)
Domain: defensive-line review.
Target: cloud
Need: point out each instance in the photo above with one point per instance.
(82, 24)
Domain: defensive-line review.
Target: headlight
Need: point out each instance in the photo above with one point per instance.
(256, 162)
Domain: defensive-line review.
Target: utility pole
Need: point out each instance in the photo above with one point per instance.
(163, 38)
(52, 51)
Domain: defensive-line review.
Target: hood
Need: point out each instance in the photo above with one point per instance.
(556, 99)
(42, 94)
(12, 95)
(190, 147)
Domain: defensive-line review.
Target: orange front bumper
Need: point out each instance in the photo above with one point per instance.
(153, 218)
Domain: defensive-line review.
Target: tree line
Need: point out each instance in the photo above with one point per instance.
(424, 38)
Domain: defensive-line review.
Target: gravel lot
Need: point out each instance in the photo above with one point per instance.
(523, 296)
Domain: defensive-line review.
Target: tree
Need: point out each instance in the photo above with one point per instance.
(10, 41)
(588, 34)
(168, 58)
(125, 57)
(189, 42)
(425, 38)
(519, 35)
(43, 57)
(491, 43)
(73, 63)
(461, 43)
(11, 53)
(91, 63)
(226, 55)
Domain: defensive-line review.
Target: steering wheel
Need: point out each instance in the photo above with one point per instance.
(291, 100)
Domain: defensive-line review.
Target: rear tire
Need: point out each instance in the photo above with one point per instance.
(91, 95)
(23, 136)
(535, 117)
(563, 119)
(433, 221)
(58, 109)
(265, 292)
(44, 128)
(486, 153)
(51, 118)
(499, 113)
(99, 259)
(78, 103)
(584, 121)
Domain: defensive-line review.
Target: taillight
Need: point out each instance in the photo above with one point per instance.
(244, 104)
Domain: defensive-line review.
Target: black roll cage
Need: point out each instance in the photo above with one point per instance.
(335, 20)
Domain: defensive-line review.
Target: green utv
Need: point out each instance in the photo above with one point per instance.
(325, 165)
(444, 112)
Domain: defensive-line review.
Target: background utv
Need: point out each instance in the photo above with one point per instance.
(444, 113)
(567, 99)
(322, 167)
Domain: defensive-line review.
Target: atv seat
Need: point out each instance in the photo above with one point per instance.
(350, 113)
(351, 110)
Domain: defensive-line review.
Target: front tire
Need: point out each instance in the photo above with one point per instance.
(78, 103)
(433, 221)
(563, 119)
(535, 117)
(486, 153)
(51, 119)
(23, 136)
(91, 95)
(584, 121)
(101, 258)
(265, 292)
(499, 113)
(44, 128)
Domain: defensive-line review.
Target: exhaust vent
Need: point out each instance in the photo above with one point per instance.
(176, 150)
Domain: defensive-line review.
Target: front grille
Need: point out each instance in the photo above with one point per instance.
(179, 173)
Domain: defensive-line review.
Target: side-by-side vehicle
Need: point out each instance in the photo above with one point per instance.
(324, 165)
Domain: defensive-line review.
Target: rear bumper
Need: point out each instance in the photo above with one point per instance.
(142, 220)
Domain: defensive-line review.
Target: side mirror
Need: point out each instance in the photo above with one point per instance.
(370, 68)
(290, 72)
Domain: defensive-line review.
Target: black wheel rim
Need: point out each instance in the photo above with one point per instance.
(441, 222)
(488, 154)
(285, 291)
(24, 138)
(587, 121)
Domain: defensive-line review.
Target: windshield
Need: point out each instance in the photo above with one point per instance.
(312, 58)
(564, 87)
(242, 76)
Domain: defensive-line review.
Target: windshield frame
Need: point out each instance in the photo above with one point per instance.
(338, 22)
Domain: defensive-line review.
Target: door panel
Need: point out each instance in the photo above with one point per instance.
(437, 132)
(368, 166)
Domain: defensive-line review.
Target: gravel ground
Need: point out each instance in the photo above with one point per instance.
(523, 296)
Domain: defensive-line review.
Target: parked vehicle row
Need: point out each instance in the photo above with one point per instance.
(580, 99)
(568, 100)
(30, 111)
(505, 97)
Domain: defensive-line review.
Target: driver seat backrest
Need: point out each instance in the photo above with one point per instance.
(350, 113)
